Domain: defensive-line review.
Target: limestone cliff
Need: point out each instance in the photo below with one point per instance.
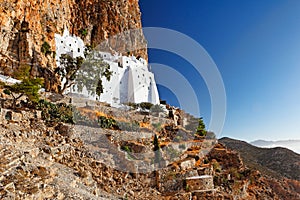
(28, 26)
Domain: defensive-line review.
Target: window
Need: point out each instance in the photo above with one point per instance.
(61, 41)
(78, 50)
(70, 45)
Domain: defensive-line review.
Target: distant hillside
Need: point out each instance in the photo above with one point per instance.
(293, 145)
(277, 162)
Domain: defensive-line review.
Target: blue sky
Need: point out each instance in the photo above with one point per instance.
(256, 47)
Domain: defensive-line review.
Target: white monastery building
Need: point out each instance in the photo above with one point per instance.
(131, 80)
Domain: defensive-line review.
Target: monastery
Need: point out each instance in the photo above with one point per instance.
(131, 80)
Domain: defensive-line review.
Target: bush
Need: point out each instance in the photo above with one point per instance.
(126, 148)
(145, 105)
(156, 108)
(45, 49)
(83, 32)
(107, 123)
(127, 126)
(133, 105)
(157, 126)
(56, 112)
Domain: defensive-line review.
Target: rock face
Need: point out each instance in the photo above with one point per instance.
(28, 28)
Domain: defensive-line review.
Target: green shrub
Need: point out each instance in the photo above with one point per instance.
(56, 112)
(157, 126)
(156, 108)
(133, 105)
(128, 126)
(80, 119)
(45, 49)
(126, 148)
(107, 123)
(145, 105)
(83, 32)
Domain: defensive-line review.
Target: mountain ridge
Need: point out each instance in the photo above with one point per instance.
(277, 162)
(293, 145)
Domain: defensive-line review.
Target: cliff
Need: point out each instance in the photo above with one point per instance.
(28, 28)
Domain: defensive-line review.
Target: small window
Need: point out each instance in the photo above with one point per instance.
(127, 61)
(78, 50)
(70, 45)
(61, 41)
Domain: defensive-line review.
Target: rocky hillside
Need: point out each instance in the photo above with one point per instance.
(277, 162)
(27, 25)
(108, 154)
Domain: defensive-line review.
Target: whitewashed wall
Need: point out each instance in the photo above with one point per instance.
(131, 79)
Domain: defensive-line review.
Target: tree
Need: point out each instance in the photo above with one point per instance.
(99, 88)
(201, 131)
(86, 73)
(67, 70)
(90, 75)
(28, 86)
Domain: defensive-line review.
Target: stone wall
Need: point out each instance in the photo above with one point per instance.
(200, 183)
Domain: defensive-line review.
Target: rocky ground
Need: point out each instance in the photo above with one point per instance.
(63, 161)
